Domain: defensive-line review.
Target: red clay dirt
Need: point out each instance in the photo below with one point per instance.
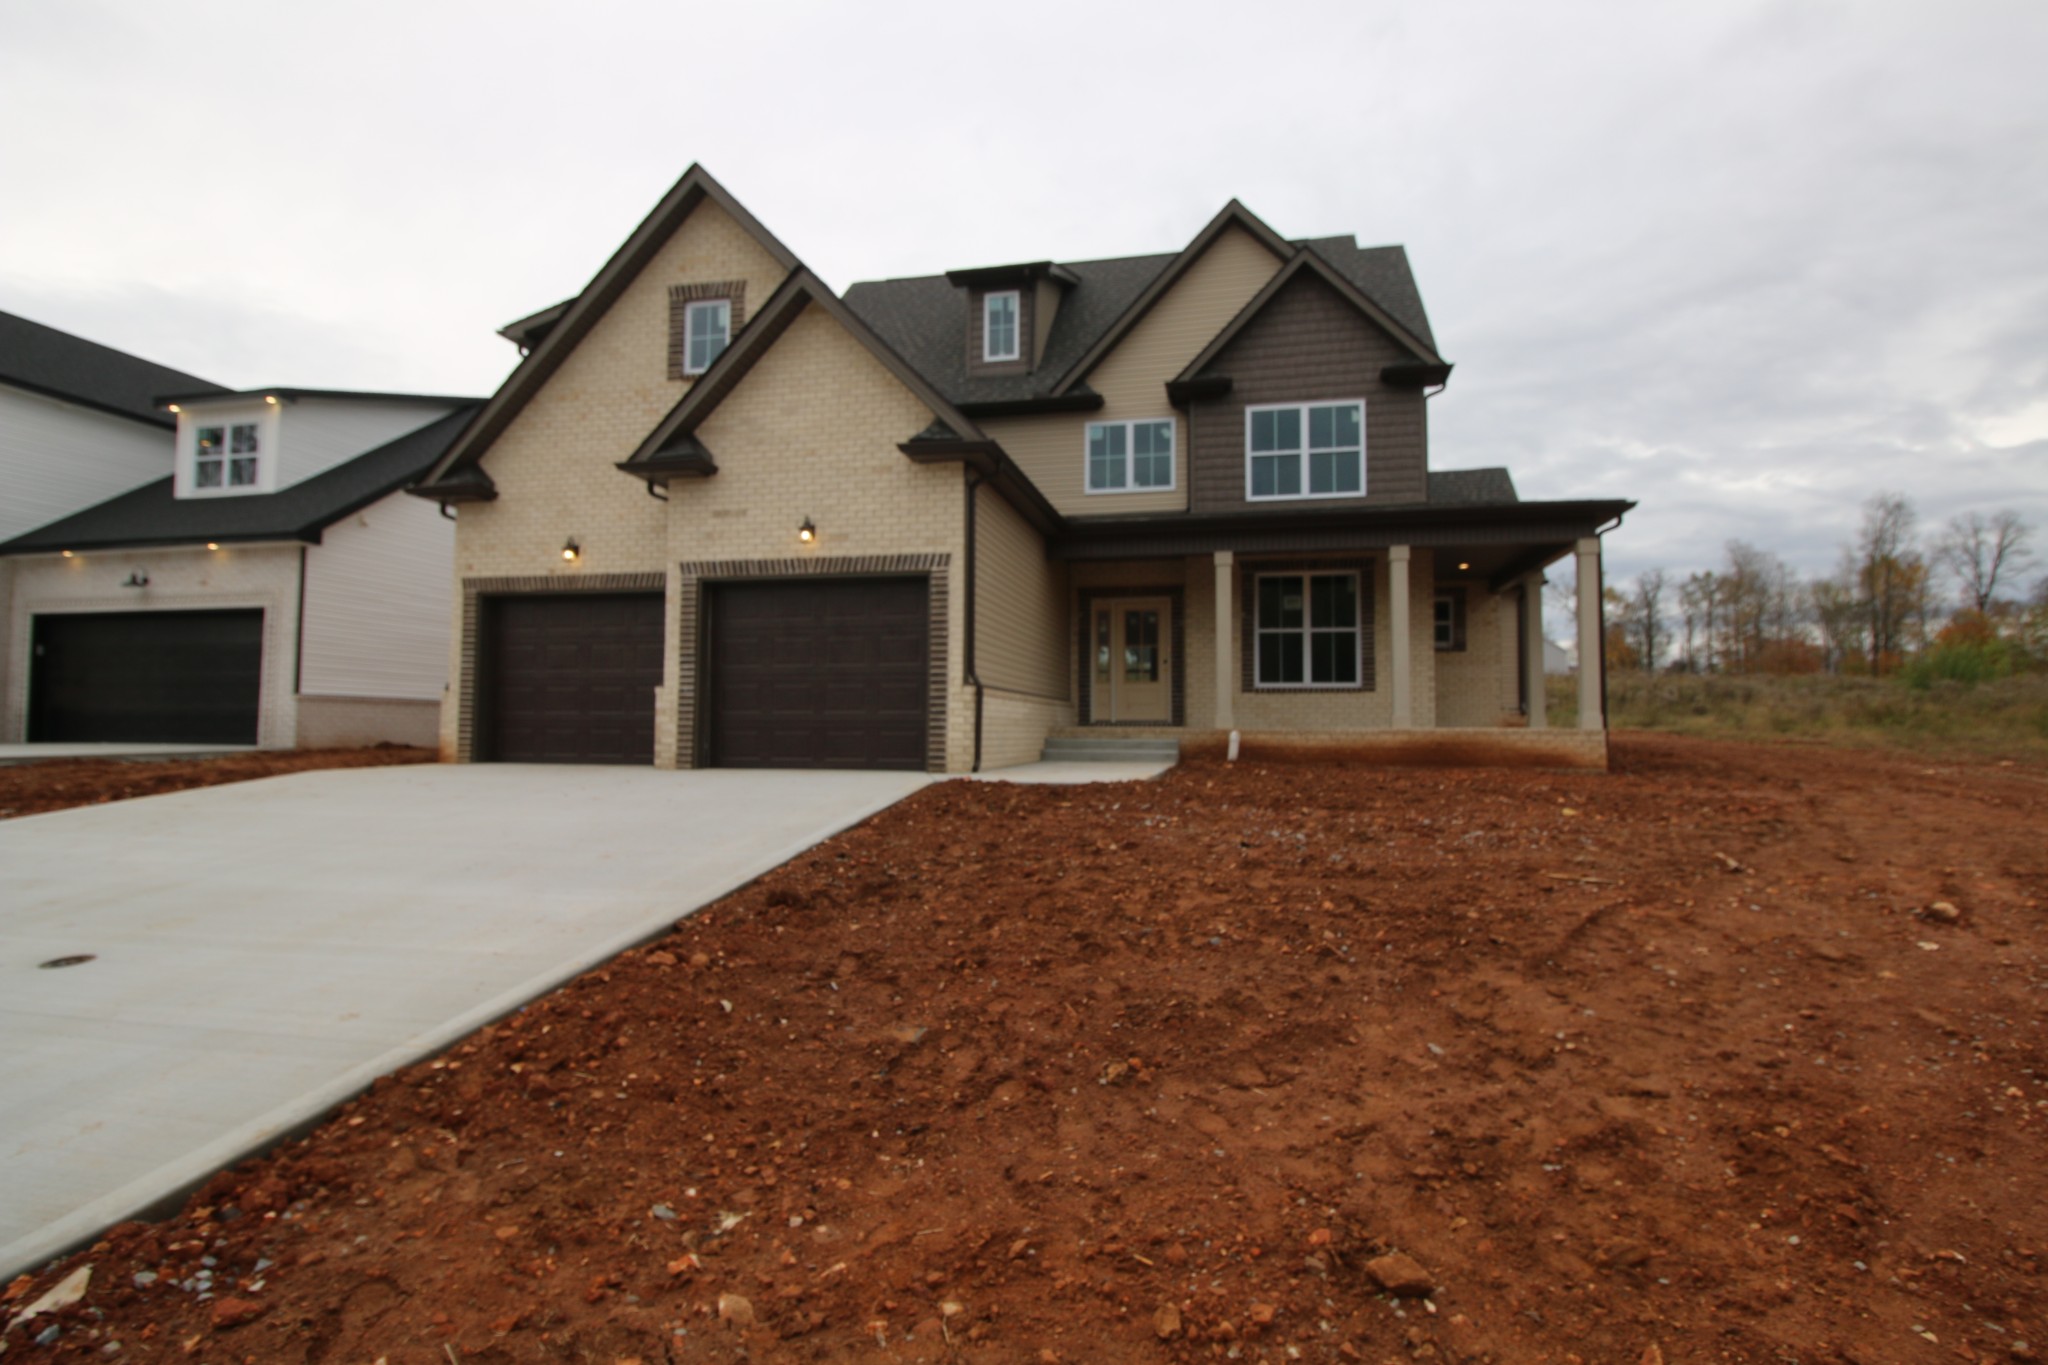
(1739, 1053)
(62, 783)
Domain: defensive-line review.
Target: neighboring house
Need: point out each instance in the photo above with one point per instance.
(267, 583)
(1556, 658)
(721, 516)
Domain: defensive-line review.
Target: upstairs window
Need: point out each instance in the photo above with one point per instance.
(707, 326)
(1123, 456)
(1305, 450)
(999, 339)
(226, 456)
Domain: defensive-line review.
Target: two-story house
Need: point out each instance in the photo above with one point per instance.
(245, 570)
(721, 516)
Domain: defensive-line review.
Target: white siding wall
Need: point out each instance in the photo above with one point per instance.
(57, 458)
(180, 577)
(379, 597)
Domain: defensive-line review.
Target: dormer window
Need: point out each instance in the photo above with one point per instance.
(999, 330)
(226, 456)
(708, 327)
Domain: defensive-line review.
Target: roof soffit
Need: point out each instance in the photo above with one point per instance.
(583, 312)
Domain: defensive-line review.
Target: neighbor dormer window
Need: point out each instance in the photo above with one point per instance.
(226, 456)
(708, 327)
(999, 312)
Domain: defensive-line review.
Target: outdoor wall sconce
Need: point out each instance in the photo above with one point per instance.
(807, 532)
(138, 579)
(571, 550)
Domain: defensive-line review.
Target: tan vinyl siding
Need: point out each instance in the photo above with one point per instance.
(1020, 616)
(1132, 381)
(380, 588)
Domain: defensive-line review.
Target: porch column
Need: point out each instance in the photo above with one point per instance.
(1226, 655)
(1397, 623)
(1592, 653)
(1534, 675)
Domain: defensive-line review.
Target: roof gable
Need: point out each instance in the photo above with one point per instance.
(675, 432)
(583, 312)
(1306, 260)
(1233, 214)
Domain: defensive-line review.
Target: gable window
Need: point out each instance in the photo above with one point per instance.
(226, 456)
(1123, 456)
(999, 339)
(1307, 628)
(707, 327)
(1305, 450)
(1450, 619)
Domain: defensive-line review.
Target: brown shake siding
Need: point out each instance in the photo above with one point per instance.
(1020, 604)
(1309, 344)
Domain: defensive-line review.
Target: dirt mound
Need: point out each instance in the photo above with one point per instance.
(62, 783)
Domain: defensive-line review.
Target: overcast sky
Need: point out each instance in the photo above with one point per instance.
(1742, 262)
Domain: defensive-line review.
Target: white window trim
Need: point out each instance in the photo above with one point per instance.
(264, 419)
(1172, 485)
(1302, 408)
(690, 311)
(1016, 298)
(1358, 588)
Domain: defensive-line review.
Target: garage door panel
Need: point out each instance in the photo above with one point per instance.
(172, 677)
(570, 677)
(818, 673)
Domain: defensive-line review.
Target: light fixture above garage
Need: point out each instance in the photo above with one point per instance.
(213, 545)
(807, 532)
(138, 579)
(571, 551)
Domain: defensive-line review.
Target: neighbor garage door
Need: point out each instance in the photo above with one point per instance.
(570, 677)
(830, 673)
(164, 677)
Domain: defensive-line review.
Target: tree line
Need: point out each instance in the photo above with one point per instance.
(1952, 602)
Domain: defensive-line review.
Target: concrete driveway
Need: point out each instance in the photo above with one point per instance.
(264, 950)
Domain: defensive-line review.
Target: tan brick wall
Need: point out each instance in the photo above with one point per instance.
(1013, 727)
(1449, 748)
(1471, 683)
(180, 577)
(1132, 381)
(554, 466)
(344, 722)
(813, 432)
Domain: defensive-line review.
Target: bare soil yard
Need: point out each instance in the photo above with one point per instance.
(1739, 1053)
(62, 783)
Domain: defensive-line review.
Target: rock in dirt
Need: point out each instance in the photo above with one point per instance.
(234, 1312)
(1401, 1275)
(1942, 912)
(63, 1294)
(1166, 1322)
(736, 1310)
(1652, 1355)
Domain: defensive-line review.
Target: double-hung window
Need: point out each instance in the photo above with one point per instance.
(999, 312)
(1305, 450)
(1123, 456)
(225, 456)
(707, 327)
(1307, 629)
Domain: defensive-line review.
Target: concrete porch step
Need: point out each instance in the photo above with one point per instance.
(1110, 749)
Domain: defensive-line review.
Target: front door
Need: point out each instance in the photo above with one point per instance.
(1133, 661)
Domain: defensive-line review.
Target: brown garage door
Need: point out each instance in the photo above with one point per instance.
(829, 673)
(570, 677)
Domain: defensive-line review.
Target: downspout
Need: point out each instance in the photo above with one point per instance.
(975, 479)
(299, 630)
(1600, 588)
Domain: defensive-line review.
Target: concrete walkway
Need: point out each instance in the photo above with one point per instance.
(263, 951)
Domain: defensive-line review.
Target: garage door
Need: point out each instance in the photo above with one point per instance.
(570, 677)
(827, 673)
(160, 677)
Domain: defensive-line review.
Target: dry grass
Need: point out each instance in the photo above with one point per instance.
(2002, 718)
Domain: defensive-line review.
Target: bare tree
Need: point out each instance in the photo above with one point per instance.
(1891, 575)
(1646, 617)
(1838, 611)
(1982, 551)
(1699, 598)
